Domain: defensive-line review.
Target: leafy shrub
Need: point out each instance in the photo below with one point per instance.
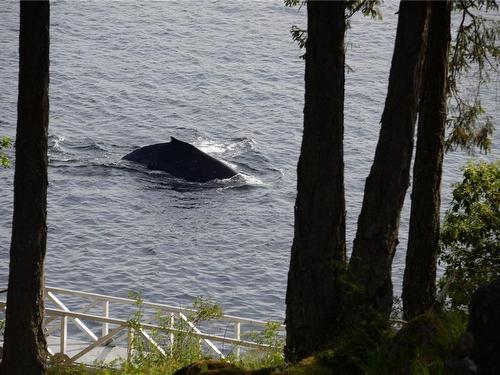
(470, 237)
(184, 349)
(272, 336)
(4, 160)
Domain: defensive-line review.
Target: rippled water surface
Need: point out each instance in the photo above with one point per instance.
(224, 76)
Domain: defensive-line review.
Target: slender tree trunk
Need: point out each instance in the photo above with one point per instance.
(25, 347)
(419, 286)
(318, 251)
(385, 189)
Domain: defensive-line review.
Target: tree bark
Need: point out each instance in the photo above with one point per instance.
(318, 250)
(25, 346)
(385, 189)
(419, 285)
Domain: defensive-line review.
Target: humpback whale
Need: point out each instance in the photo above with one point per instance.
(182, 160)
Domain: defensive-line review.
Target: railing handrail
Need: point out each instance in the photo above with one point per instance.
(160, 306)
(121, 322)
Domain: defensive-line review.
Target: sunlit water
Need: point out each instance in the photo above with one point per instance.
(225, 76)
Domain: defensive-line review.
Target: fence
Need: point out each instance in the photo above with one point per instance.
(88, 327)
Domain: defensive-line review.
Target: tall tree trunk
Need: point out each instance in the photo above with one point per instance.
(385, 189)
(318, 250)
(419, 290)
(25, 347)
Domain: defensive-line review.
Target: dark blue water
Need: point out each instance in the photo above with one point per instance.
(224, 76)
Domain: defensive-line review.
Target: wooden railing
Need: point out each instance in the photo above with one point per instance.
(86, 318)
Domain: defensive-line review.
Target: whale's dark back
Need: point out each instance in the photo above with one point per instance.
(181, 159)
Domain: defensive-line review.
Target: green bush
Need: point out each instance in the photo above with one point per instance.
(470, 235)
(4, 160)
(272, 357)
(186, 346)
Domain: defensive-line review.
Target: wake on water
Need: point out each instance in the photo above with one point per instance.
(64, 153)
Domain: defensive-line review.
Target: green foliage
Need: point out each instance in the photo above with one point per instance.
(271, 336)
(369, 348)
(451, 325)
(474, 51)
(466, 132)
(470, 237)
(182, 350)
(186, 347)
(369, 8)
(273, 357)
(420, 347)
(2, 326)
(361, 350)
(79, 370)
(397, 309)
(4, 160)
(205, 310)
(455, 323)
(294, 3)
(299, 36)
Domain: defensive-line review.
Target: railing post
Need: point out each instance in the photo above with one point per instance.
(130, 342)
(237, 335)
(171, 333)
(64, 333)
(105, 326)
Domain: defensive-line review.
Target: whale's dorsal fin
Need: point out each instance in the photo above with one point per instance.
(178, 142)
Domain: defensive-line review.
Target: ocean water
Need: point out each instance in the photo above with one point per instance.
(226, 77)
